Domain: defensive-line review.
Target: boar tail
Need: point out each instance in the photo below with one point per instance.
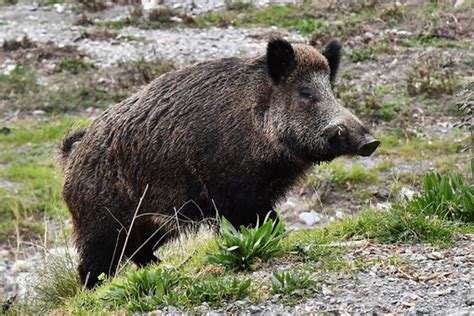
(67, 144)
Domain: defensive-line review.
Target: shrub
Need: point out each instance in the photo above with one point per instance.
(239, 248)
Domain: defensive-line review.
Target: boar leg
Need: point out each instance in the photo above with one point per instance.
(99, 253)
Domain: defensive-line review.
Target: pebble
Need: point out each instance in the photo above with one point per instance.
(406, 192)
(38, 112)
(470, 300)
(310, 218)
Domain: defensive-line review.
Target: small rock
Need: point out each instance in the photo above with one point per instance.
(327, 292)
(444, 292)
(436, 255)
(458, 4)
(350, 286)
(310, 218)
(5, 130)
(20, 266)
(38, 112)
(407, 192)
(470, 300)
(9, 69)
(59, 7)
(254, 309)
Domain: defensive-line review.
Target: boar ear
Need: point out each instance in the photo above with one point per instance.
(280, 59)
(332, 52)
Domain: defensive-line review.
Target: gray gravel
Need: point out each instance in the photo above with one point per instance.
(424, 280)
(182, 46)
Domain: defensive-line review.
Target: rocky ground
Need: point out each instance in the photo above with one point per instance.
(423, 280)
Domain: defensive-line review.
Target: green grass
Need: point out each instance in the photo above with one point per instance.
(75, 66)
(54, 281)
(28, 156)
(293, 17)
(8, 2)
(303, 18)
(20, 80)
(398, 143)
(338, 173)
(372, 102)
(21, 91)
(422, 41)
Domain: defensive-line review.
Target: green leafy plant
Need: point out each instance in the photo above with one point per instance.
(145, 289)
(446, 196)
(291, 283)
(238, 249)
(214, 290)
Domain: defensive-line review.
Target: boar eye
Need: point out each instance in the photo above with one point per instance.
(306, 94)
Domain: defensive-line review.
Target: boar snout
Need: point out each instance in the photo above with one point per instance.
(344, 140)
(368, 146)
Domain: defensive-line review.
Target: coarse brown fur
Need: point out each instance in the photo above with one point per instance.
(219, 135)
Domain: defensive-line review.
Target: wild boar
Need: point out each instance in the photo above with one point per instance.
(231, 135)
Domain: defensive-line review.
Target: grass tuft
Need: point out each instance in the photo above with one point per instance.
(433, 216)
(445, 196)
(147, 289)
(75, 66)
(432, 77)
(51, 283)
(15, 44)
(291, 283)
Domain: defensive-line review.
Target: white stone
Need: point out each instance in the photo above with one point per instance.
(310, 218)
(407, 192)
(9, 69)
(38, 112)
(150, 4)
(458, 4)
(59, 7)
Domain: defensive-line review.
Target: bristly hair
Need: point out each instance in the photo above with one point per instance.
(332, 52)
(281, 59)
